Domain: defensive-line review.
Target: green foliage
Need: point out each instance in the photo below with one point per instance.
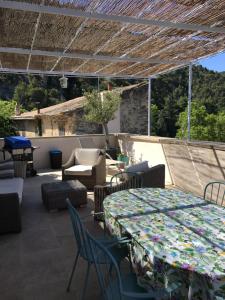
(20, 93)
(154, 118)
(99, 111)
(204, 126)
(36, 89)
(169, 96)
(6, 127)
(7, 108)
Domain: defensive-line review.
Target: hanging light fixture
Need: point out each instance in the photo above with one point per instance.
(63, 82)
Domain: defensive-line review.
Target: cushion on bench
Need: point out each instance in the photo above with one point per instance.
(12, 185)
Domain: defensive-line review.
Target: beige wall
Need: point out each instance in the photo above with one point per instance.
(193, 165)
(114, 125)
(29, 127)
(144, 149)
(65, 143)
(189, 165)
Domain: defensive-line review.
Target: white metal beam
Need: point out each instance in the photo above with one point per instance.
(68, 74)
(137, 46)
(189, 102)
(149, 104)
(89, 57)
(34, 36)
(78, 31)
(107, 43)
(193, 62)
(100, 48)
(70, 43)
(104, 17)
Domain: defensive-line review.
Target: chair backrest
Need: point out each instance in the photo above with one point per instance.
(79, 232)
(125, 180)
(215, 192)
(108, 273)
(87, 156)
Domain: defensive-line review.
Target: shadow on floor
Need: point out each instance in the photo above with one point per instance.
(35, 264)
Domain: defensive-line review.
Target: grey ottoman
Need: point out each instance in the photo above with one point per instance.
(54, 194)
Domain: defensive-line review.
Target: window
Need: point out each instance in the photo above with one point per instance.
(61, 126)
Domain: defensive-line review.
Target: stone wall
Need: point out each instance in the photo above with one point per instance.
(26, 127)
(72, 122)
(83, 127)
(134, 110)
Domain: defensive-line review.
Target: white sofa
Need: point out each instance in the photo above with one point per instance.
(11, 193)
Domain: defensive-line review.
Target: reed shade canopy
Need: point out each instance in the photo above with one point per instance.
(114, 38)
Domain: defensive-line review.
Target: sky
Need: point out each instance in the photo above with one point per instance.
(215, 63)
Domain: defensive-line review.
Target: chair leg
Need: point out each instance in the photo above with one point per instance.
(72, 272)
(85, 281)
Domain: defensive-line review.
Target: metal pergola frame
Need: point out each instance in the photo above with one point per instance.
(105, 17)
(91, 14)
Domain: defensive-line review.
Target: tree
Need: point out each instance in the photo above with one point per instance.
(6, 127)
(20, 94)
(101, 109)
(37, 94)
(7, 109)
(204, 126)
(154, 119)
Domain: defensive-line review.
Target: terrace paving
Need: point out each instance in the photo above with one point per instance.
(36, 263)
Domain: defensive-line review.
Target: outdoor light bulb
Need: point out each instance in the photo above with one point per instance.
(63, 82)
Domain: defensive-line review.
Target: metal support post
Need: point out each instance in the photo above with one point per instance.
(149, 104)
(189, 101)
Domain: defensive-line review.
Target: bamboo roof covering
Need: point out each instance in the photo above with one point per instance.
(110, 38)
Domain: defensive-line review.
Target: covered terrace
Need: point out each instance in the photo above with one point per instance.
(117, 39)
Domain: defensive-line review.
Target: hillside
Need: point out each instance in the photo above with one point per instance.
(169, 93)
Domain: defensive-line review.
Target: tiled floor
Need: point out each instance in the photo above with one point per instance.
(35, 264)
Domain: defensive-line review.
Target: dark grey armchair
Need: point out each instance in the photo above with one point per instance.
(87, 166)
(151, 177)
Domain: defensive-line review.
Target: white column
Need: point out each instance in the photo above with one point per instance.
(189, 101)
(98, 84)
(149, 105)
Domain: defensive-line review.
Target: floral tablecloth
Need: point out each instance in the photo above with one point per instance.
(177, 239)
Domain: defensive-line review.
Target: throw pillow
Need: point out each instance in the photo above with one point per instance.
(139, 167)
(9, 173)
(6, 164)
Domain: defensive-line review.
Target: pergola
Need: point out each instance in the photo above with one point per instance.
(109, 38)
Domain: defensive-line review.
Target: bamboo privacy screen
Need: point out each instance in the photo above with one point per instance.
(59, 34)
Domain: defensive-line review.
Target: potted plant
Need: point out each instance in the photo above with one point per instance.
(100, 108)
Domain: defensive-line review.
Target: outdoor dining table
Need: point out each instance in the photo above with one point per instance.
(177, 239)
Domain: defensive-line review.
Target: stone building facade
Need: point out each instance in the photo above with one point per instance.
(57, 120)
(67, 118)
(134, 109)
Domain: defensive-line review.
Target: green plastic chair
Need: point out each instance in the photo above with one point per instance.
(215, 192)
(83, 247)
(115, 285)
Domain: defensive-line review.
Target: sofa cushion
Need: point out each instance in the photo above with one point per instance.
(8, 173)
(6, 164)
(139, 167)
(79, 170)
(87, 157)
(12, 185)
